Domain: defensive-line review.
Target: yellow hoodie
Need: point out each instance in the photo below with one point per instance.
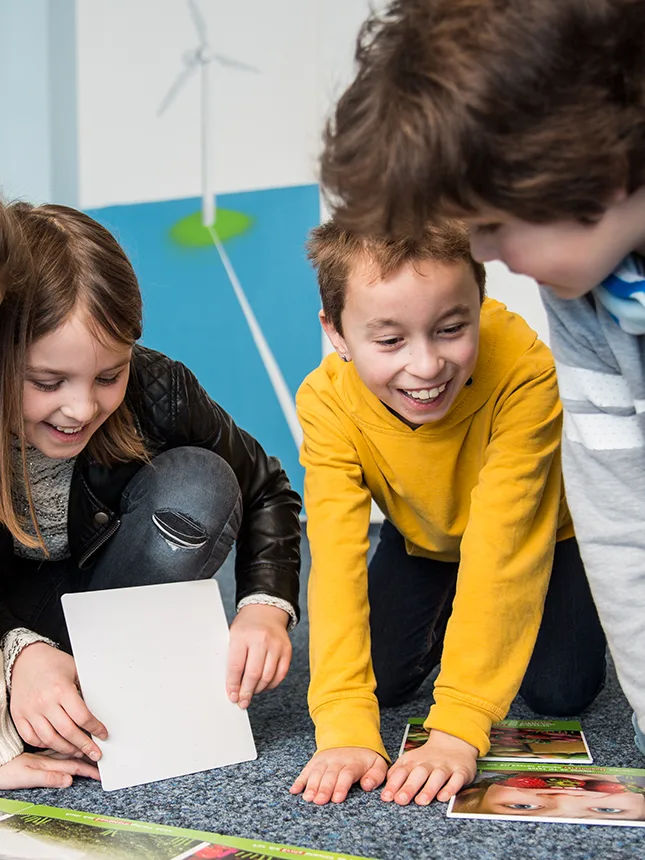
(482, 486)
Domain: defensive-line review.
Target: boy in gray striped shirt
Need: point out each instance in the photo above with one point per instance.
(527, 119)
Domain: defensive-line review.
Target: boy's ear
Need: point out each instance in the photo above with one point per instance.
(337, 340)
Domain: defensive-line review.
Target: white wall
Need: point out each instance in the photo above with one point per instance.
(264, 124)
(520, 294)
(83, 97)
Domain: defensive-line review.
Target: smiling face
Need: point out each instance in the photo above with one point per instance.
(564, 803)
(73, 383)
(413, 336)
(570, 257)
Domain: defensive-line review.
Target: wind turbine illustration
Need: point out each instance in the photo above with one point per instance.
(201, 59)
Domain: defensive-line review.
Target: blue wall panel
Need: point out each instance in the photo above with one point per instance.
(192, 314)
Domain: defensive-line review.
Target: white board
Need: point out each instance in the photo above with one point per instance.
(151, 662)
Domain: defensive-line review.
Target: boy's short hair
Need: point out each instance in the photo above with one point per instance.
(335, 252)
(532, 107)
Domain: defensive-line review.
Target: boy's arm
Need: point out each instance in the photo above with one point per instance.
(506, 560)
(341, 694)
(603, 449)
(606, 494)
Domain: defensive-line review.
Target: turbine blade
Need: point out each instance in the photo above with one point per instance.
(234, 64)
(199, 21)
(179, 83)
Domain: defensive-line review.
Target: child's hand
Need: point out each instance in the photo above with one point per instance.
(331, 773)
(259, 652)
(40, 770)
(46, 706)
(442, 766)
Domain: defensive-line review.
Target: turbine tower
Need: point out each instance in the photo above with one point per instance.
(201, 58)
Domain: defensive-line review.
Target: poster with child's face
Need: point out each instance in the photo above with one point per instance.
(568, 794)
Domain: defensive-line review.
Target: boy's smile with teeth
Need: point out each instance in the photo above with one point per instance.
(412, 336)
(426, 393)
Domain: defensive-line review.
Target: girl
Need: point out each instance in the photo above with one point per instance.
(117, 470)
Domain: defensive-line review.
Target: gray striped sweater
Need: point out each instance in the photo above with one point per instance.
(601, 375)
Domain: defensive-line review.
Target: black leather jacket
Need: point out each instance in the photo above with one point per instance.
(172, 410)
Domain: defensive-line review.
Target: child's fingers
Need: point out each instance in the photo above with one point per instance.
(301, 781)
(314, 779)
(374, 776)
(298, 784)
(435, 782)
(268, 672)
(281, 671)
(417, 778)
(327, 785)
(252, 674)
(27, 733)
(344, 782)
(82, 717)
(33, 778)
(68, 729)
(237, 653)
(72, 766)
(454, 784)
(50, 737)
(397, 775)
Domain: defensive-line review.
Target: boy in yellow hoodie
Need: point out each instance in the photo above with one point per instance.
(442, 407)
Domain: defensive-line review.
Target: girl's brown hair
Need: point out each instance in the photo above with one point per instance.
(531, 107)
(335, 252)
(72, 261)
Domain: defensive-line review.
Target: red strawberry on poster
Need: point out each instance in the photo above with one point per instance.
(525, 782)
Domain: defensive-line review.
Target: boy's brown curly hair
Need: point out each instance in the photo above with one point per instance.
(532, 107)
(335, 253)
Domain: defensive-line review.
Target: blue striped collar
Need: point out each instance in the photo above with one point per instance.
(622, 294)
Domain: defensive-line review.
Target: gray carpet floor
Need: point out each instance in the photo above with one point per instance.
(252, 799)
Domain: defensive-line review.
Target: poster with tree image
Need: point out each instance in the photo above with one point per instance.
(30, 832)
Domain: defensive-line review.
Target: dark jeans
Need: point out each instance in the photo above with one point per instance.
(410, 604)
(179, 518)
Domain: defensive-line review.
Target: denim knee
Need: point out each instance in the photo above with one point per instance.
(191, 498)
